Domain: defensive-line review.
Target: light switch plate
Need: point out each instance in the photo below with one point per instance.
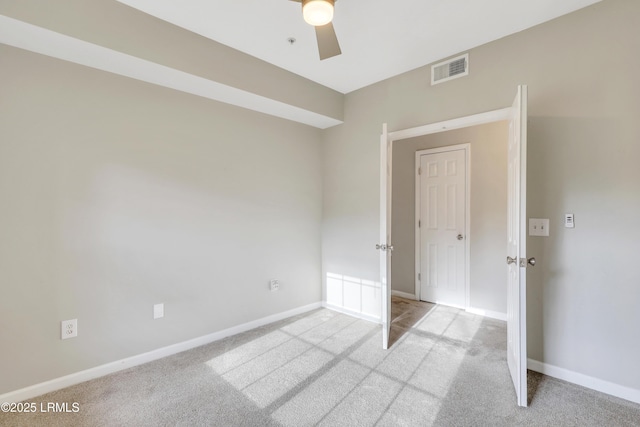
(158, 311)
(539, 227)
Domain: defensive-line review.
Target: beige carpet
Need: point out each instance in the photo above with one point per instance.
(446, 368)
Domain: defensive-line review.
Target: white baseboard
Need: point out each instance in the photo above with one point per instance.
(109, 368)
(404, 295)
(487, 313)
(602, 386)
(353, 313)
(479, 311)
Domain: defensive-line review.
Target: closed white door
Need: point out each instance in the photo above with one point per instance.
(442, 225)
(517, 246)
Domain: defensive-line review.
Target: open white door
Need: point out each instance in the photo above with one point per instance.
(384, 246)
(517, 247)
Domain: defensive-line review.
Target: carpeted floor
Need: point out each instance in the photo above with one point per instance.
(446, 368)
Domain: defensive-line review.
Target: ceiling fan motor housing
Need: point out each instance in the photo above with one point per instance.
(317, 12)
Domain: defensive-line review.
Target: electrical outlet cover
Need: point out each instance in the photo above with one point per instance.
(158, 311)
(68, 329)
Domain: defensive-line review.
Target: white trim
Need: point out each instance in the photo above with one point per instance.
(404, 295)
(467, 225)
(119, 365)
(487, 313)
(466, 147)
(416, 239)
(46, 42)
(457, 123)
(445, 304)
(478, 311)
(443, 149)
(461, 122)
(592, 383)
(352, 313)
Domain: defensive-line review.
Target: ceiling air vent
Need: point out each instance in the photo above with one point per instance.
(450, 69)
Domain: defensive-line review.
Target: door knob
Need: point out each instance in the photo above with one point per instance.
(531, 261)
(459, 237)
(511, 260)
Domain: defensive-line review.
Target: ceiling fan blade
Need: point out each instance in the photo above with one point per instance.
(327, 41)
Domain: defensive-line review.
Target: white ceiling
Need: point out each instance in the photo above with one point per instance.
(379, 38)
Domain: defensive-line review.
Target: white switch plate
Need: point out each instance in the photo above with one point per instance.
(568, 221)
(158, 310)
(538, 227)
(68, 329)
(274, 285)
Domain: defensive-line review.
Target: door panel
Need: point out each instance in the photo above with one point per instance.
(516, 246)
(385, 246)
(442, 211)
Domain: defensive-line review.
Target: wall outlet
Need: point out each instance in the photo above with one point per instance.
(158, 310)
(274, 285)
(68, 329)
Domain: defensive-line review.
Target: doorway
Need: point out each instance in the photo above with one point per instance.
(483, 228)
(516, 295)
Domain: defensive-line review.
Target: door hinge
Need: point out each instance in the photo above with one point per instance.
(419, 223)
(419, 277)
(419, 171)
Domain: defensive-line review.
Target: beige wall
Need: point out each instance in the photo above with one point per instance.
(488, 233)
(116, 195)
(582, 70)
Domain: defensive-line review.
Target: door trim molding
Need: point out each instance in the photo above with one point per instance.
(436, 127)
(458, 123)
(466, 147)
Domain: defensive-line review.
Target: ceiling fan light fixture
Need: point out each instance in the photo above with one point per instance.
(317, 12)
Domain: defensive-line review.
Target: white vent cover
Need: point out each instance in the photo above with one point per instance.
(450, 69)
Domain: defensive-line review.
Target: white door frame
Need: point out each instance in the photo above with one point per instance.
(385, 167)
(476, 119)
(385, 187)
(467, 215)
(459, 123)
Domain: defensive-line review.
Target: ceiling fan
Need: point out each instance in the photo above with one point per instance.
(319, 13)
